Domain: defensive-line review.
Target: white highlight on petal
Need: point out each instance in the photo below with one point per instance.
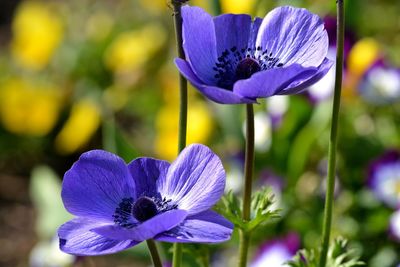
(277, 105)
(381, 85)
(386, 82)
(395, 224)
(387, 183)
(274, 256)
(48, 254)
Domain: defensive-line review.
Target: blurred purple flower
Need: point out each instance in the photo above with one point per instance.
(119, 205)
(232, 59)
(380, 85)
(269, 178)
(276, 252)
(384, 178)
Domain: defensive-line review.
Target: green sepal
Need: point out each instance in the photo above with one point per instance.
(339, 255)
(261, 209)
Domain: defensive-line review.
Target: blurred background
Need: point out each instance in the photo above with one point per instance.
(83, 74)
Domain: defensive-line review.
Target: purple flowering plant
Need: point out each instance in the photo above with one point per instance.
(233, 59)
(384, 179)
(119, 205)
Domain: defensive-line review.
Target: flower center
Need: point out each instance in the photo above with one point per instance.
(237, 64)
(246, 68)
(144, 209)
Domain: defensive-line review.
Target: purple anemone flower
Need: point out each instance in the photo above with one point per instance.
(384, 178)
(233, 59)
(277, 252)
(380, 85)
(119, 205)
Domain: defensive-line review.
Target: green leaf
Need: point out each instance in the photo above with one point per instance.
(261, 209)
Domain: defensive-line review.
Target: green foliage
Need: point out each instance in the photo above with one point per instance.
(339, 255)
(261, 209)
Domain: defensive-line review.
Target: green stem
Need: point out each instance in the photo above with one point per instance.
(177, 250)
(333, 139)
(177, 256)
(243, 248)
(155, 257)
(248, 179)
(182, 81)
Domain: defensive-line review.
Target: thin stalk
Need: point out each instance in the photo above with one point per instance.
(177, 250)
(177, 256)
(243, 248)
(326, 230)
(155, 257)
(182, 81)
(248, 179)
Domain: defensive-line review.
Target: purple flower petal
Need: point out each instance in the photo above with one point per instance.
(199, 42)
(255, 26)
(205, 227)
(383, 176)
(272, 81)
(96, 184)
(232, 32)
(307, 80)
(216, 94)
(276, 252)
(294, 35)
(77, 239)
(146, 172)
(195, 180)
(146, 230)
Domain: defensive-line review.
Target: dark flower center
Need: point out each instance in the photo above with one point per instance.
(144, 209)
(246, 68)
(240, 63)
(129, 212)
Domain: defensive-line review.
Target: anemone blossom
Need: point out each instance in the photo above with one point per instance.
(233, 59)
(384, 178)
(118, 206)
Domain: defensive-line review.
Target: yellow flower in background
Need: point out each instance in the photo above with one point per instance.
(363, 54)
(200, 125)
(237, 6)
(82, 123)
(29, 108)
(37, 32)
(130, 50)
